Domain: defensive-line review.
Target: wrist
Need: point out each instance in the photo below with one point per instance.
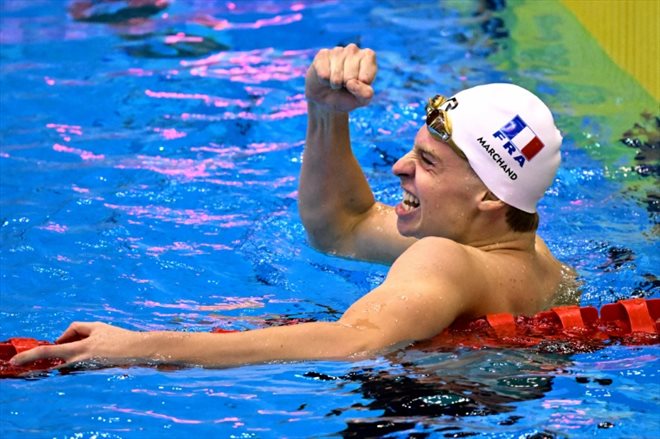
(322, 116)
(153, 346)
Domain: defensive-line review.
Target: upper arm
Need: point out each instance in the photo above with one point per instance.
(424, 292)
(374, 236)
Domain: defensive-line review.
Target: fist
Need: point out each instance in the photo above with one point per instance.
(340, 79)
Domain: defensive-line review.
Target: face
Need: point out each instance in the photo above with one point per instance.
(440, 190)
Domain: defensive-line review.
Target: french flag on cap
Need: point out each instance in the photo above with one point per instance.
(522, 137)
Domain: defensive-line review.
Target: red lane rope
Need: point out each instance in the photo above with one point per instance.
(632, 321)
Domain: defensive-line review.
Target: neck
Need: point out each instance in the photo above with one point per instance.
(512, 241)
(498, 236)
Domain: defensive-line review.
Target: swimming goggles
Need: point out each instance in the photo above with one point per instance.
(439, 125)
(437, 121)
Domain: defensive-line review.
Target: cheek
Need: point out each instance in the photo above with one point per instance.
(449, 196)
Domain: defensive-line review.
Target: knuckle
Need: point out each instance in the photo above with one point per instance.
(320, 56)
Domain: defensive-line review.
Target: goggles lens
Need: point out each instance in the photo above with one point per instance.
(436, 118)
(439, 124)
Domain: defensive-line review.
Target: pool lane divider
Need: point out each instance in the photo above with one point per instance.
(16, 345)
(629, 322)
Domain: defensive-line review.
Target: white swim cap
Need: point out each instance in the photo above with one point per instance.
(508, 136)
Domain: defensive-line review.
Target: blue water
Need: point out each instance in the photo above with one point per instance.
(148, 179)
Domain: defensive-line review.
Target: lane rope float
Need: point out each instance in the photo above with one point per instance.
(629, 322)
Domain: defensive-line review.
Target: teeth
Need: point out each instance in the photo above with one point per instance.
(410, 201)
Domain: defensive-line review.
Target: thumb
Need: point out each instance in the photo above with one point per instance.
(361, 91)
(76, 331)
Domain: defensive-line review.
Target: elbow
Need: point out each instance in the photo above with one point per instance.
(321, 234)
(321, 242)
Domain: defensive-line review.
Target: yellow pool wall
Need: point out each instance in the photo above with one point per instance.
(629, 32)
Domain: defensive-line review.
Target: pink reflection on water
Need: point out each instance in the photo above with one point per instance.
(257, 91)
(181, 37)
(111, 309)
(187, 168)
(285, 111)
(223, 24)
(626, 363)
(283, 412)
(252, 75)
(71, 82)
(62, 128)
(558, 403)
(270, 7)
(571, 416)
(54, 227)
(180, 216)
(139, 72)
(279, 182)
(66, 130)
(80, 190)
(250, 149)
(216, 101)
(135, 279)
(85, 155)
(189, 248)
(161, 392)
(252, 67)
(170, 133)
(230, 303)
(224, 116)
(152, 414)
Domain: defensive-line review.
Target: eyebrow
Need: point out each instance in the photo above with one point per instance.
(449, 144)
(424, 150)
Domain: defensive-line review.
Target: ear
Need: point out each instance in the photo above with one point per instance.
(490, 203)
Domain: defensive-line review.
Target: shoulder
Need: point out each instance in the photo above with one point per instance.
(441, 253)
(439, 261)
(425, 291)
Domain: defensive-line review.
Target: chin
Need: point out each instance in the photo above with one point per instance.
(408, 232)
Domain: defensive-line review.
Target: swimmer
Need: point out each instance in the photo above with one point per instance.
(462, 241)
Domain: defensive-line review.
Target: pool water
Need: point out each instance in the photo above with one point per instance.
(149, 160)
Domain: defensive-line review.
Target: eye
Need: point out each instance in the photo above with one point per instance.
(425, 159)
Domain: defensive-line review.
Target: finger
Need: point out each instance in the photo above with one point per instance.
(321, 66)
(352, 63)
(76, 331)
(368, 66)
(361, 91)
(43, 352)
(337, 58)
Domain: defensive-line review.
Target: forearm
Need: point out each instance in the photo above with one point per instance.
(306, 341)
(333, 192)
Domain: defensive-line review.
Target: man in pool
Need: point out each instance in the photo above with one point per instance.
(462, 242)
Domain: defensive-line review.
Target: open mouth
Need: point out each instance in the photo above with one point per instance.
(410, 201)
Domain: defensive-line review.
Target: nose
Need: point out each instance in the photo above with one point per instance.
(404, 167)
